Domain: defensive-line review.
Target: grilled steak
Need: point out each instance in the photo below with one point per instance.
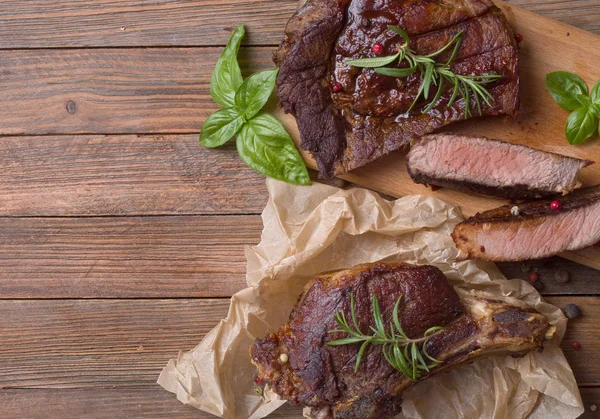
(491, 167)
(367, 117)
(537, 232)
(322, 376)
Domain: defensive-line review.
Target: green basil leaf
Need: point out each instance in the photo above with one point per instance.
(227, 76)
(396, 72)
(372, 62)
(581, 124)
(564, 88)
(596, 94)
(220, 127)
(255, 91)
(584, 100)
(595, 108)
(266, 147)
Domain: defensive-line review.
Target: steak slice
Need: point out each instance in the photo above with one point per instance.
(537, 232)
(491, 167)
(368, 117)
(315, 374)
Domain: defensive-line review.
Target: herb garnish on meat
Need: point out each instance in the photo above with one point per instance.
(406, 355)
(432, 73)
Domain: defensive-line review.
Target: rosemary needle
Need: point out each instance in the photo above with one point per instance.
(406, 355)
(433, 73)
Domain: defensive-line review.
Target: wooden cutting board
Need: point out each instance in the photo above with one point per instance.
(547, 46)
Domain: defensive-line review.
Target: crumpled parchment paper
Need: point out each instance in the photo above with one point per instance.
(309, 230)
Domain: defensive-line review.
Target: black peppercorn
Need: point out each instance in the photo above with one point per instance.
(572, 311)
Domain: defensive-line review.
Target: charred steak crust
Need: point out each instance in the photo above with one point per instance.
(537, 232)
(322, 376)
(491, 167)
(367, 118)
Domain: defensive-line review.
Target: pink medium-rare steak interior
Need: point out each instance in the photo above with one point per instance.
(537, 232)
(491, 167)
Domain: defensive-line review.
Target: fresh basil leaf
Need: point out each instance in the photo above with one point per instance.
(220, 127)
(595, 108)
(227, 76)
(596, 94)
(266, 147)
(396, 72)
(584, 100)
(399, 31)
(372, 62)
(581, 124)
(564, 88)
(255, 91)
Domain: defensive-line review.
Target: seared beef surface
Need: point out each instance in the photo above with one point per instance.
(491, 167)
(323, 377)
(537, 232)
(368, 117)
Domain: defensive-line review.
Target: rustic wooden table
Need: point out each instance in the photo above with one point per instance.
(121, 237)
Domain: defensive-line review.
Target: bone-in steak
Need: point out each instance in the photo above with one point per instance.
(315, 374)
(538, 231)
(491, 167)
(367, 117)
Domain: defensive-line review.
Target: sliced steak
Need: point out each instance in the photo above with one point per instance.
(368, 117)
(537, 232)
(315, 374)
(491, 167)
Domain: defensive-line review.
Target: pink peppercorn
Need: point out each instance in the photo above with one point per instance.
(377, 49)
(576, 345)
(534, 276)
(555, 206)
(336, 88)
(519, 37)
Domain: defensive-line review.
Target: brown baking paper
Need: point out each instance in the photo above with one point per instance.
(308, 230)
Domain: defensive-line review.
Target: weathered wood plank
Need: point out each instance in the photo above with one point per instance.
(583, 280)
(110, 91)
(124, 175)
(586, 331)
(125, 343)
(102, 23)
(584, 14)
(102, 403)
(67, 23)
(124, 257)
(178, 256)
(147, 403)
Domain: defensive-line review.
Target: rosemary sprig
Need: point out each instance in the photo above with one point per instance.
(406, 355)
(433, 73)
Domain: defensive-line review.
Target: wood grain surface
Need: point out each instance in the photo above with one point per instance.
(142, 403)
(124, 175)
(124, 257)
(107, 198)
(100, 23)
(112, 91)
